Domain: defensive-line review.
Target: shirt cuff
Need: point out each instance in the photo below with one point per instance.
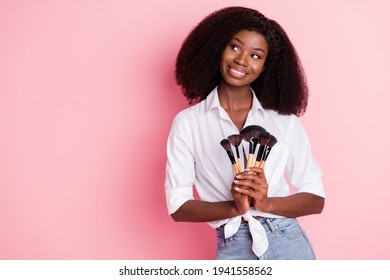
(316, 188)
(177, 197)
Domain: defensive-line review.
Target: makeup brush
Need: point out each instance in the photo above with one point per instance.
(244, 156)
(251, 134)
(263, 140)
(235, 140)
(271, 142)
(226, 145)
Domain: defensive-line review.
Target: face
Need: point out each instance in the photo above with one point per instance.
(243, 58)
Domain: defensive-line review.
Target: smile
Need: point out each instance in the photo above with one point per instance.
(236, 73)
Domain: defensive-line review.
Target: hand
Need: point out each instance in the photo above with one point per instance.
(241, 201)
(252, 183)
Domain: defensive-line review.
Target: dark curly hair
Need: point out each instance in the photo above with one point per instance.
(281, 87)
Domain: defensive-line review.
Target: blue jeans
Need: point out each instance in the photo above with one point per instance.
(287, 241)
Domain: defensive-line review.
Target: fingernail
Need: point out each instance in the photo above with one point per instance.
(236, 181)
(238, 176)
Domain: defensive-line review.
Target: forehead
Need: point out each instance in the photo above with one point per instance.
(251, 38)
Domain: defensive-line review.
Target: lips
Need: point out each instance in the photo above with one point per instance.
(236, 73)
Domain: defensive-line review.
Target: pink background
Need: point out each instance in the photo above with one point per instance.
(87, 97)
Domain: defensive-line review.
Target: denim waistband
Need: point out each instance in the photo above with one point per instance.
(269, 224)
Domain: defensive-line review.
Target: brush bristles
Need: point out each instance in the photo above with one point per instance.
(235, 139)
(251, 131)
(264, 137)
(254, 134)
(226, 144)
(272, 141)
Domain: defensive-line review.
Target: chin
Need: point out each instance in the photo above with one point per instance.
(236, 83)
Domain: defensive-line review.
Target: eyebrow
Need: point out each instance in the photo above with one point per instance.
(242, 43)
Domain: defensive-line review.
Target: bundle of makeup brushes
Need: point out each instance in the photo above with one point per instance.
(257, 136)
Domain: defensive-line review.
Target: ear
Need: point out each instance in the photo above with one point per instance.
(263, 69)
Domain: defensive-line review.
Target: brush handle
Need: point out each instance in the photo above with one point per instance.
(233, 161)
(252, 144)
(266, 154)
(251, 157)
(244, 156)
(264, 157)
(262, 164)
(239, 164)
(236, 169)
(260, 153)
(257, 163)
(238, 159)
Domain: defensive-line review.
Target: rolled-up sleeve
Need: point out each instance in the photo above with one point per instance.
(180, 171)
(302, 170)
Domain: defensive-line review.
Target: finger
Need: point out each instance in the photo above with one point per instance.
(251, 172)
(254, 183)
(237, 187)
(240, 183)
(258, 178)
(257, 170)
(247, 191)
(251, 177)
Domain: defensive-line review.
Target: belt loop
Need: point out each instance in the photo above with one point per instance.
(270, 225)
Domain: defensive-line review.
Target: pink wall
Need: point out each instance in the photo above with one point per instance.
(87, 96)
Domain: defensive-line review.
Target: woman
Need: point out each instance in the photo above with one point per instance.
(242, 70)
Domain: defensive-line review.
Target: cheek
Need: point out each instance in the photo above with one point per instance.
(224, 58)
(221, 64)
(226, 55)
(257, 69)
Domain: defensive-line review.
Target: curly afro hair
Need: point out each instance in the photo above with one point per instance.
(281, 87)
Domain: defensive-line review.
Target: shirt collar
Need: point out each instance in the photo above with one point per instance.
(256, 105)
(212, 101)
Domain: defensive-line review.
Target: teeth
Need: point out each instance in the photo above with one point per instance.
(237, 72)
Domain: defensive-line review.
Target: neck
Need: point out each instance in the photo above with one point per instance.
(234, 98)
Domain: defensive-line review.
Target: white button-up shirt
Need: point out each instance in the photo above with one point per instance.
(196, 158)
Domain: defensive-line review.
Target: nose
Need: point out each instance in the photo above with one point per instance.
(241, 59)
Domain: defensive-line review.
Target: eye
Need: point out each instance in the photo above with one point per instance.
(256, 56)
(235, 48)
